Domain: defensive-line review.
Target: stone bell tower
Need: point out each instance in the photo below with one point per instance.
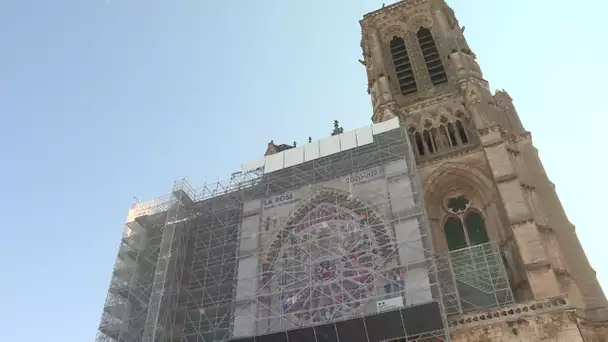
(481, 173)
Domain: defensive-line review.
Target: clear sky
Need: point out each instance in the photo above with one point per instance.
(103, 100)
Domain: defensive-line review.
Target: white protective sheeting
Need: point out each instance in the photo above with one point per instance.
(418, 286)
(244, 320)
(321, 148)
(401, 193)
(385, 126)
(294, 156)
(251, 207)
(249, 233)
(348, 140)
(395, 168)
(311, 151)
(364, 135)
(246, 283)
(274, 162)
(253, 164)
(330, 145)
(410, 244)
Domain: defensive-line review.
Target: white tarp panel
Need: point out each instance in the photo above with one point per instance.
(395, 168)
(348, 140)
(385, 126)
(247, 280)
(418, 287)
(251, 207)
(407, 234)
(253, 164)
(364, 135)
(249, 233)
(274, 162)
(244, 320)
(330, 145)
(311, 151)
(401, 195)
(294, 156)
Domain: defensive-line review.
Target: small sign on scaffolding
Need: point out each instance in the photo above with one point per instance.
(389, 304)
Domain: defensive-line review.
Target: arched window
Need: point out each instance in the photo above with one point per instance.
(419, 143)
(454, 234)
(437, 141)
(403, 67)
(462, 132)
(444, 133)
(464, 227)
(452, 133)
(476, 228)
(429, 142)
(431, 56)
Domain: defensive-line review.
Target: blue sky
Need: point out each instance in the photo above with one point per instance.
(103, 100)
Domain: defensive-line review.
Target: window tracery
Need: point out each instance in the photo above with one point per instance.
(436, 138)
(464, 226)
(403, 66)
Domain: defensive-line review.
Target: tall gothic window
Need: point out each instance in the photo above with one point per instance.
(462, 132)
(403, 67)
(465, 227)
(452, 133)
(476, 228)
(431, 56)
(445, 135)
(428, 140)
(419, 143)
(454, 234)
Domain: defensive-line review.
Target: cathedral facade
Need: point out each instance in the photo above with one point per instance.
(481, 174)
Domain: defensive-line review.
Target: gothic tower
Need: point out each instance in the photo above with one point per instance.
(482, 175)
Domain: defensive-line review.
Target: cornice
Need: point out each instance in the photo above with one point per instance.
(401, 5)
(510, 313)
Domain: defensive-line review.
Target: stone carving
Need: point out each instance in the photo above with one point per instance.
(385, 88)
(473, 97)
(388, 114)
(374, 93)
(375, 49)
(458, 204)
(396, 30)
(422, 20)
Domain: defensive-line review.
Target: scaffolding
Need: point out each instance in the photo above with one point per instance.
(329, 246)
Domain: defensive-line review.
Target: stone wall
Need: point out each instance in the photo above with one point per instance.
(594, 331)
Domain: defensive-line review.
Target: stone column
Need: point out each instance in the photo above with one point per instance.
(376, 51)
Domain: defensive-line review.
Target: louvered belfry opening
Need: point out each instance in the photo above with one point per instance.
(431, 56)
(403, 67)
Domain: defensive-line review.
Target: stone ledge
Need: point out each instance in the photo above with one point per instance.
(506, 178)
(443, 156)
(508, 313)
(537, 264)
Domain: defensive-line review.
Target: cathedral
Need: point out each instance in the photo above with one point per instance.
(481, 174)
(435, 222)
